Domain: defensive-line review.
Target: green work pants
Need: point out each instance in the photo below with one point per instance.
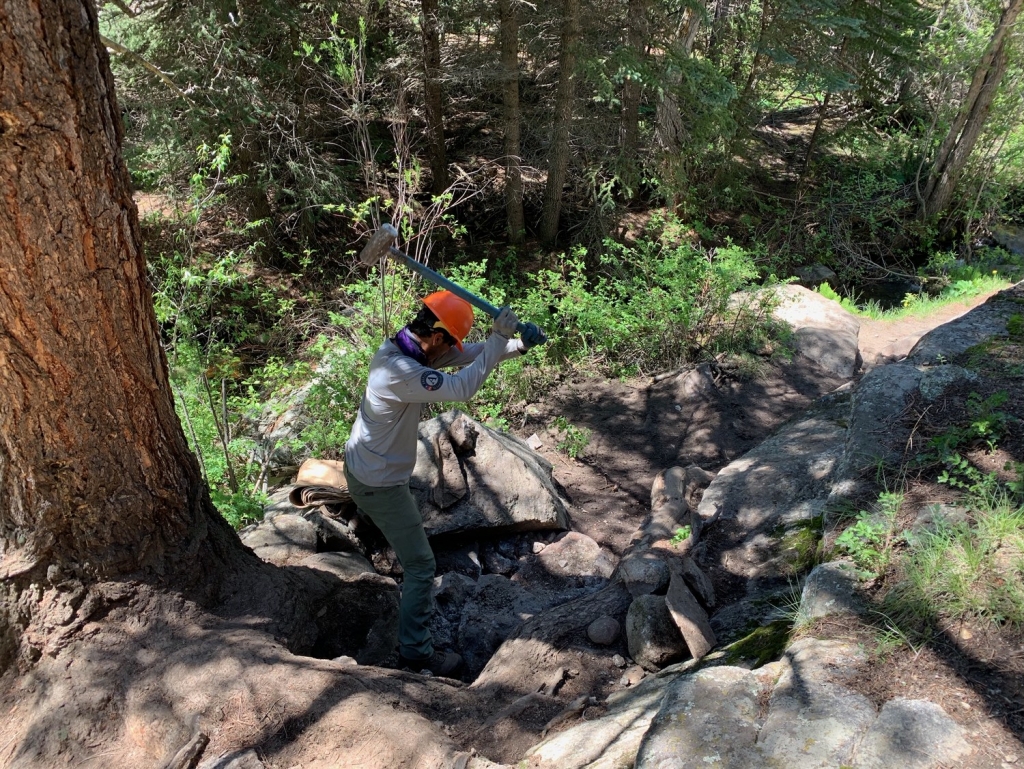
(393, 509)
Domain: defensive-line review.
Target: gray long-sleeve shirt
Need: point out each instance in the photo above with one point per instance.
(381, 450)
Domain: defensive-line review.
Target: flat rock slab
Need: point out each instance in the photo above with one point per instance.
(718, 717)
(343, 565)
(912, 734)
(879, 400)
(755, 507)
(979, 325)
(469, 477)
(609, 741)
(707, 719)
(283, 540)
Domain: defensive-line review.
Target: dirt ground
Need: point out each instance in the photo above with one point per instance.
(635, 429)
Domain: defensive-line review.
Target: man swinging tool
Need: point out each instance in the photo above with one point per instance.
(381, 452)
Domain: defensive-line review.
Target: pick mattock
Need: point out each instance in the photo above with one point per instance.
(380, 245)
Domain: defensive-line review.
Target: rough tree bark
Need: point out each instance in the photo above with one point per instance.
(558, 161)
(511, 117)
(636, 41)
(96, 478)
(956, 148)
(432, 97)
(671, 131)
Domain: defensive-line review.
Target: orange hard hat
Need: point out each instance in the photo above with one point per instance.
(453, 314)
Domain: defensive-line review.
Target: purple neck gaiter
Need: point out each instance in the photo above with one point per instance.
(407, 343)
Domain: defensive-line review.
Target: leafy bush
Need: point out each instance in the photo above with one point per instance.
(649, 306)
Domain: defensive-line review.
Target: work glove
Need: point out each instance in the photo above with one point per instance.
(506, 322)
(532, 336)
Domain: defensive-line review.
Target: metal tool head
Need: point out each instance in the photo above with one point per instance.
(377, 247)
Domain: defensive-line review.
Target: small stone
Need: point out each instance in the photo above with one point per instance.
(534, 442)
(538, 546)
(965, 706)
(604, 631)
(1011, 759)
(966, 634)
(619, 661)
(632, 676)
(344, 660)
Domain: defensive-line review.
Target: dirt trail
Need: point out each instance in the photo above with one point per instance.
(877, 335)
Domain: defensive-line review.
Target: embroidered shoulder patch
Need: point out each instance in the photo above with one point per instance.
(431, 380)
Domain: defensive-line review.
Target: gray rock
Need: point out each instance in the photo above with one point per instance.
(334, 533)
(604, 631)
(653, 639)
(935, 379)
(696, 580)
(822, 659)
(823, 330)
(644, 573)
(782, 483)
(912, 734)
(450, 593)
(340, 564)
(237, 759)
(707, 719)
(608, 741)
(277, 435)
(577, 555)
(495, 563)
(569, 568)
(813, 722)
(874, 433)
(688, 616)
(279, 503)
(813, 275)
(464, 560)
(1010, 238)
(469, 477)
(834, 350)
(831, 588)
(979, 325)
(282, 540)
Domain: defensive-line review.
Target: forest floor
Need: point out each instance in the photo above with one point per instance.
(300, 711)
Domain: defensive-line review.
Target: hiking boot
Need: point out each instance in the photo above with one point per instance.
(439, 663)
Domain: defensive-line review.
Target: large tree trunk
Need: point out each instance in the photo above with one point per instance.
(96, 478)
(558, 161)
(671, 131)
(511, 118)
(636, 41)
(432, 97)
(956, 148)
